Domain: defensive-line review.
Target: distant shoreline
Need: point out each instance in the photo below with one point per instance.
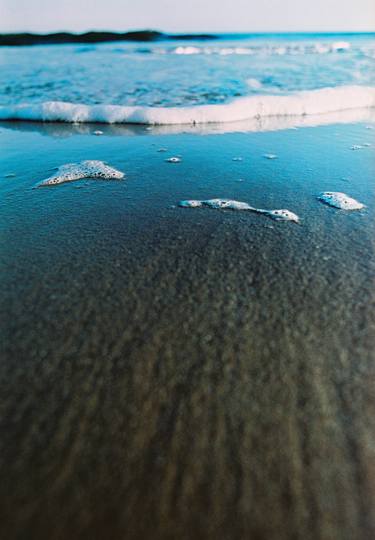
(94, 37)
(59, 38)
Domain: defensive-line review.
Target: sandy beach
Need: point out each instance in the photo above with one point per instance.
(187, 373)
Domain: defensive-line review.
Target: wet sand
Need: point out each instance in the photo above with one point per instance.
(187, 373)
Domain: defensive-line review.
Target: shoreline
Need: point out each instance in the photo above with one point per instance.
(264, 124)
(90, 38)
(146, 36)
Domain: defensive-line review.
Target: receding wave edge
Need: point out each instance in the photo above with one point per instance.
(311, 102)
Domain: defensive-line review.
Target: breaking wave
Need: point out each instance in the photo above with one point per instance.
(312, 102)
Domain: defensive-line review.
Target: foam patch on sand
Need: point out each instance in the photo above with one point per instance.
(312, 102)
(77, 171)
(228, 204)
(340, 200)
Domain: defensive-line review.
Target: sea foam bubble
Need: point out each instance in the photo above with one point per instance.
(84, 169)
(228, 204)
(254, 83)
(340, 200)
(340, 46)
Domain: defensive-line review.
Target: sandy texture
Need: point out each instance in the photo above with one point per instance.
(188, 374)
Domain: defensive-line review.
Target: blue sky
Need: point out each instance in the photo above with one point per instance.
(187, 15)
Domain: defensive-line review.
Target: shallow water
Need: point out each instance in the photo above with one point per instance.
(224, 361)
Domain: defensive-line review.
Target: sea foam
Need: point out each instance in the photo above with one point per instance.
(280, 50)
(312, 102)
(228, 204)
(340, 200)
(78, 171)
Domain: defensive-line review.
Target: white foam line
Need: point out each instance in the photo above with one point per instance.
(314, 102)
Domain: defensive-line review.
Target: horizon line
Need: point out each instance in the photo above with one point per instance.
(187, 32)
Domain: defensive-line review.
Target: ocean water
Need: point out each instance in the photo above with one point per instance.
(175, 82)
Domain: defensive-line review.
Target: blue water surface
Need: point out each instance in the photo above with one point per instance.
(182, 73)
